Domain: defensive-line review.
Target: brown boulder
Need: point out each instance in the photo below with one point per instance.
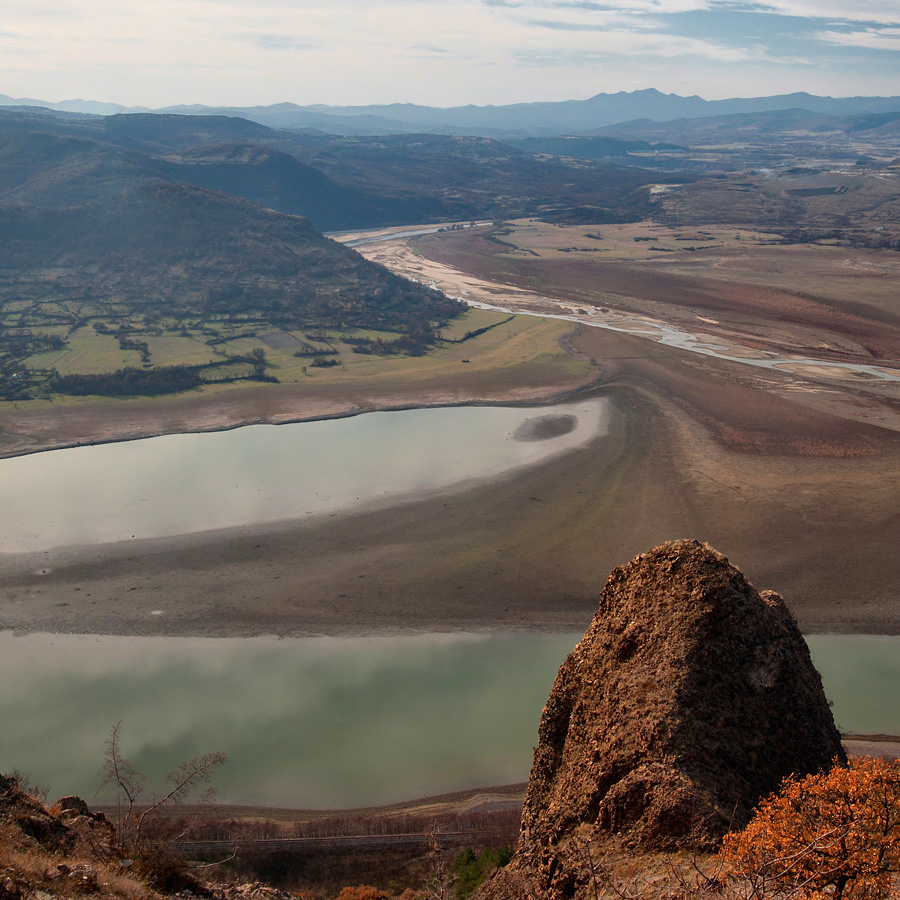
(690, 697)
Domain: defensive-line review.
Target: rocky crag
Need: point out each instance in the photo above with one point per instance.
(690, 697)
(68, 852)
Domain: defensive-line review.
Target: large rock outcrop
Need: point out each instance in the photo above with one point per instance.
(690, 697)
(68, 826)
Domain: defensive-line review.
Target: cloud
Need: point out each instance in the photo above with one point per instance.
(887, 39)
(280, 42)
(874, 11)
(782, 33)
(881, 11)
(629, 44)
(442, 52)
(556, 25)
(436, 51)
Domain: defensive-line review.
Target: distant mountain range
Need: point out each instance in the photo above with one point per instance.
(518, 119)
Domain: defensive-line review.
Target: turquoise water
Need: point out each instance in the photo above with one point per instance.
(328, 722)
(321, 722)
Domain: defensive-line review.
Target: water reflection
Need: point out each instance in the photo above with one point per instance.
(183, 483)
(312, 722)
(861, 675)
(329, 722)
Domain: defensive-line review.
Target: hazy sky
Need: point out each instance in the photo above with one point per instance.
(441, 52)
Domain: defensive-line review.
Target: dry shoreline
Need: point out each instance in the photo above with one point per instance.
(492, 797)
(796, 481)
(323, 411)
(797, 484)
(465, 560)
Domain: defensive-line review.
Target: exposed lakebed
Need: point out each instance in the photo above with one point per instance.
(329, 722)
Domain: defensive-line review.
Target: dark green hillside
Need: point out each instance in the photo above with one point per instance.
(173, 259)
(181, 251)
(43, 168)
(51, 170)
(473, 177)
(342, 183)
(51, 162)
(150, 133)
(280, 181)
(339, 183)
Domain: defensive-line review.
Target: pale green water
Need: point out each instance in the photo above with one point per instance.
(183, 483)
(311, 721)
(861, 676)
(327, 721)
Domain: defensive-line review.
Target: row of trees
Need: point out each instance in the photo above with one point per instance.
(129, 382)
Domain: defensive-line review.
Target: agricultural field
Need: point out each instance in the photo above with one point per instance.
(631, 241)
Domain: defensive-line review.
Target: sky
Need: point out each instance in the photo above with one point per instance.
(156, 53)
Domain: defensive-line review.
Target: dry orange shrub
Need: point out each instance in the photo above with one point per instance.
(833, 835)
(363, 892)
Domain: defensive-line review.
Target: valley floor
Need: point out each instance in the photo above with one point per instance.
(796, 478)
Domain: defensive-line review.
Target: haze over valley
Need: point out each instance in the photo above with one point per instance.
(508, 345)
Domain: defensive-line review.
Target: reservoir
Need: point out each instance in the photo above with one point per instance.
(185, 483)
(313, 722)
(328, 722)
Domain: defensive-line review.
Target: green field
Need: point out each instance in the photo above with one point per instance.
(513, 351)
(86, 353)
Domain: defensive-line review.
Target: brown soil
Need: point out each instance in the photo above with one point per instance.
(526, 553)
(827, 300)
(796, 480)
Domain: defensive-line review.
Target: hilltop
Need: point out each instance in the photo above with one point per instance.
(690, 698)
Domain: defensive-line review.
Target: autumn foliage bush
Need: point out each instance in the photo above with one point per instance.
(830, 835)
(363, 892)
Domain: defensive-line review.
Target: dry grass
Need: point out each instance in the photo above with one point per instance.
(26, 868)
(88, 353)
(632, 241)
(522, 359)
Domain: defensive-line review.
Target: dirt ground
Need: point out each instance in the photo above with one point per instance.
(527, 553)
(823, 301)
(795, 478)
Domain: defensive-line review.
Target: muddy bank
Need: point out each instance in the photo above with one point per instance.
(529, 552)
(57, 427)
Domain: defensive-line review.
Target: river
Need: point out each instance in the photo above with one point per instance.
(601, 317)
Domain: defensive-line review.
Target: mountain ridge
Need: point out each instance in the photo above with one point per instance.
(536, 118)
